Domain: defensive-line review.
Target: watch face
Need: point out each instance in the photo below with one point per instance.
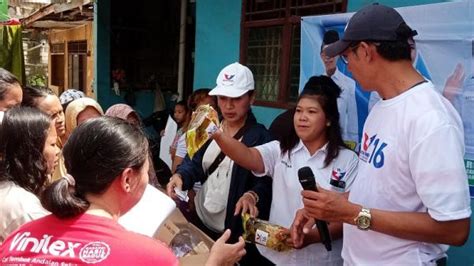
(363, 222)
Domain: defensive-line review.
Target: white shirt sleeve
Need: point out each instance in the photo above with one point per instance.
(351, 161)
(437, 165)
(270, 153)
(181, 148)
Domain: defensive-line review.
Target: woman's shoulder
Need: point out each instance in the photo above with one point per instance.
(346, 154)
(17, 198)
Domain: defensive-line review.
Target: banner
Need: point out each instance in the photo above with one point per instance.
(443, 53)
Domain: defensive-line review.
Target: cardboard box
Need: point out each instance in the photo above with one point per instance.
(149, 213)
(171, 227)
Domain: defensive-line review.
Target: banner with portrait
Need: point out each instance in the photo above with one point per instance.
(443, 53)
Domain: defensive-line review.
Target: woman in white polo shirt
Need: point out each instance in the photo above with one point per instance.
(315, 141)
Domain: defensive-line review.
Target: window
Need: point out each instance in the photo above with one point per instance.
(77, 65)
(57, 65)
(270, 44)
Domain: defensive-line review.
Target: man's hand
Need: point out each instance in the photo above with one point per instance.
(302, 225)
(175, 182)
(329, 206)
(454, 83)
(223, 254)
(247, 203)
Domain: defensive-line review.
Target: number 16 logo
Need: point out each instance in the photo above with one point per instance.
(376, 157)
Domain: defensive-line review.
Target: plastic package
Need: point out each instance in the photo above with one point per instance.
(203, 120)
(264, 233)
(186, 243)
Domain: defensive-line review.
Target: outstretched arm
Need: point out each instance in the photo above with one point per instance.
(248, 158)
(419, 226)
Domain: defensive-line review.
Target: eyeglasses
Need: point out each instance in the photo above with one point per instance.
(353, 49)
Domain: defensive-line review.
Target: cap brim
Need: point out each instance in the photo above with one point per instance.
(336, 48)
(227, 92)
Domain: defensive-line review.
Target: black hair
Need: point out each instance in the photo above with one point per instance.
(96, 153)
(330, 36)
(32, 93)
(326, 92)
(23, 135)
(184, 104)
(399, 49)
(7, 79)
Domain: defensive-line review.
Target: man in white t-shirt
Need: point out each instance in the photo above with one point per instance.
(410, 199)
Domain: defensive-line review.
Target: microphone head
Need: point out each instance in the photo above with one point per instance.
(305, 172)
(306, 178)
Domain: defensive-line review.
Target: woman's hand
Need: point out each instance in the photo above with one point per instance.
(223, 254)
(301, 228)
(247, 203)
(175, 182)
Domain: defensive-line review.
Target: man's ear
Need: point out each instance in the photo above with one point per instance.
(126, 180)
(252, 98)
(370, 51)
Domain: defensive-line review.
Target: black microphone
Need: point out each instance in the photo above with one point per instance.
(306, 177)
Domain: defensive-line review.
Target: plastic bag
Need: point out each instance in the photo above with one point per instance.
(203, 118)
(186, 243)
(264, 233)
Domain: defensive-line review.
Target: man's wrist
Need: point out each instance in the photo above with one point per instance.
(352, 214)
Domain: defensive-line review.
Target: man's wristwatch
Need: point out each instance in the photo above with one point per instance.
(363, 219)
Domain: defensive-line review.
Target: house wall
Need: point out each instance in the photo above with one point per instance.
(81, 33)
(218, 44)
(218, 41)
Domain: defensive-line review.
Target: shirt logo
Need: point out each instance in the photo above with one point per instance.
(22, 242)
(336, 178)
(372, 150)
(337, 174)
(287, 164)
(94, 252)
(228, 77)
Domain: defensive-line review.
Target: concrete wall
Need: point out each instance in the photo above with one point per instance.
(218, 44)
(217, 39)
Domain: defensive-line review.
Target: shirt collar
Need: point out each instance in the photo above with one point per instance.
(300, 146)
(337, 74)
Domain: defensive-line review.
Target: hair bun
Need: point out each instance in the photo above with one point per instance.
(324, 84)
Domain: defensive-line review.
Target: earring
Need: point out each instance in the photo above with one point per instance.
(127, 188)
(328, 124)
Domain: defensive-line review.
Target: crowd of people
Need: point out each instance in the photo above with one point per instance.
(68, 170)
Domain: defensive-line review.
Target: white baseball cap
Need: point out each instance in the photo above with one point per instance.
(233, 81)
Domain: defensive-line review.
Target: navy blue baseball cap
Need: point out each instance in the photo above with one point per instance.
(372, 23)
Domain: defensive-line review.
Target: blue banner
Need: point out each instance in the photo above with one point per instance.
(443, 53)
